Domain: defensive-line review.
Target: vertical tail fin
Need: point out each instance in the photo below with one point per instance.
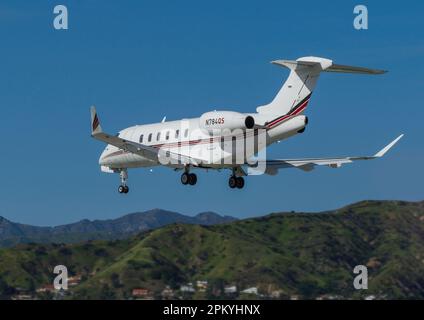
(304, 73)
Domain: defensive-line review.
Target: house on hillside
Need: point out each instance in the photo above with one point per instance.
(252, 290)
(46, 288)
(23, 297)
(230, 289)
(167, 293)
(188, 288)
(75, 280)
(276, 294)
(141, 293)
(202, 285)
(329, 297)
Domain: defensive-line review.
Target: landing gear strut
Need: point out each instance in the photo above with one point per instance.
(123, 188)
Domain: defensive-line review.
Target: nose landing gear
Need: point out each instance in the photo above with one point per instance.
(123, 188)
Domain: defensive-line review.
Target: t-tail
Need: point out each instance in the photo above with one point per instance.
(295, 93)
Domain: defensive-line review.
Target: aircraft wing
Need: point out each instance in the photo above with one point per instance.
(149, 152)
(308, 164)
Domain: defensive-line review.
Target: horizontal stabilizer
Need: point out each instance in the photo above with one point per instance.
(350, 69)
(325, 65)
(304, 62)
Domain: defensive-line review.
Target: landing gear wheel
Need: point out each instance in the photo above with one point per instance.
(123, 188)
(185, 178)
(240, 182)
(232, 182)
(192, 179)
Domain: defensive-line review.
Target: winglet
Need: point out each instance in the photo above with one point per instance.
(95, 123)
(388, 147)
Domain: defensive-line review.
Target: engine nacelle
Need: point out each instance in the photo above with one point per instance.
(229, 120)
(288, 128)
(295, 124)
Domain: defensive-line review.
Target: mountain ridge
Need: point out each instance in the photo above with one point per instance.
(12, 233)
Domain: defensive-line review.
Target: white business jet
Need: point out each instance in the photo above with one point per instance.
(227, 139)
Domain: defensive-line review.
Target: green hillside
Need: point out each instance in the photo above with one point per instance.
(308, 255)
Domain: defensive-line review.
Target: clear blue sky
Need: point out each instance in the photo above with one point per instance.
(138, 61)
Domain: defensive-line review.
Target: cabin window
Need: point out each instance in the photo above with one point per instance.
(141, 139)
(158, 136)
(177, 133)
(150, 137)
(167, 135)
(186, 133)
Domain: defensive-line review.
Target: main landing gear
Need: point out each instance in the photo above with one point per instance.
(236, 182)
(188, 178)
(123, 188)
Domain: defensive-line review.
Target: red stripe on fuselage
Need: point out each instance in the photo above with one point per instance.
(294, 112)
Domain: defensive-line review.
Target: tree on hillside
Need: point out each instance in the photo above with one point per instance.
(116, 283)
(106, 293)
